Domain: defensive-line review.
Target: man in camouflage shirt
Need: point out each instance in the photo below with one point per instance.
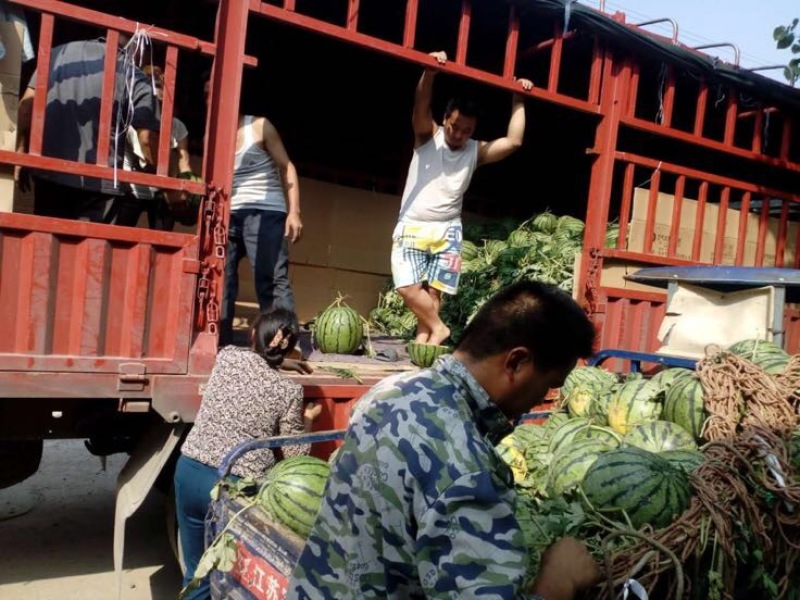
(419, 504)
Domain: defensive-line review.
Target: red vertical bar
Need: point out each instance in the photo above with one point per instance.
(92, 285)
(697, 242)
(42, 84)
(165, 136)
(786, 138)
(700, 110)
(104, 127)
(410, 29)
(137, 277)
(352, 15)
(719, 243)
(669, 99)
(677, 207)
(730, 120)
(741, 240)
(633, 90)
(758, 124)
(33, 328)
(555, 59)
(596, 73)
(463, 32)
(625, 208)
(512, 41)
(289, 4)
(763, 223)
(635, 318)
(783, 228)
(652, 205)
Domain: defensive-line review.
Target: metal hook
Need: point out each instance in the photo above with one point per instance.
(673, 22)
(736, 52)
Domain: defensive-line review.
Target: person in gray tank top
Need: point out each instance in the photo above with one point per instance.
(264, 218)
(426, 243)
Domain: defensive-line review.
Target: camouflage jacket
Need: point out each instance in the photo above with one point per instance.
(418, 504)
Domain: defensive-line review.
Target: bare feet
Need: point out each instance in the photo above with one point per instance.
(422, 337)
(439, 335)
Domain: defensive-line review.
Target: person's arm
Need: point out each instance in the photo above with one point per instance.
(422, 118)
(469, 542)
(297, 419)
(24, 116)
(184, 164)
(291, 183)
(145, 119)
(496, 150)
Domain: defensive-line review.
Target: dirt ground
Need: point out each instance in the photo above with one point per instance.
(62, 547)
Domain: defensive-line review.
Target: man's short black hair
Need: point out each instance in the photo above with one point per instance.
(465, 107)
(540, 317)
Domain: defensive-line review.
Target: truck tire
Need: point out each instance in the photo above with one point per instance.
(19, 459)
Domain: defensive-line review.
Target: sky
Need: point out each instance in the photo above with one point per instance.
(745, 23)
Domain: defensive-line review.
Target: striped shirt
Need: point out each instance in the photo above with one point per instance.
(72, 116)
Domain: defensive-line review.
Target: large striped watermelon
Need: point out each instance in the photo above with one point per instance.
(513, 457)
(564, 433)
(635, 402)
(571, 463)
(668, 377)
(648, 488)
(658, 436)
(293, 492)
(555, 420)
(688, 460)
(684, 405)
(580, 399)
(767, 355)
(423, 355)
(594, 376)
(338, 329)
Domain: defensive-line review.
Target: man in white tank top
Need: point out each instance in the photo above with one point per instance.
(426, 243)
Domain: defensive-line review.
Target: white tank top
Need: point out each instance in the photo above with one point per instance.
(256, 180)
(437, 179)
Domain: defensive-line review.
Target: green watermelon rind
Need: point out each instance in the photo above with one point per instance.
(659, 436)
(645, 486)
(338, 330)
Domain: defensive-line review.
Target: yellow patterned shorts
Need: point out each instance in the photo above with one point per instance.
(427, 252)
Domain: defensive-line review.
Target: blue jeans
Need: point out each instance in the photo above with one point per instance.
(193, 483)
(257, 234)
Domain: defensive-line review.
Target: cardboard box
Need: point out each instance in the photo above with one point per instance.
(688, 226)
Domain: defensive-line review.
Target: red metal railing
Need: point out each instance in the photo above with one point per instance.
(548, 89)
(113, 26)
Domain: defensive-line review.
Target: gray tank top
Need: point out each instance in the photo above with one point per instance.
(256, 180)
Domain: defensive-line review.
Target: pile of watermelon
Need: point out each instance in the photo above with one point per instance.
(619, 449)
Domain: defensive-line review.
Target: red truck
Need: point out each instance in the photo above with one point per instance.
(109, 333)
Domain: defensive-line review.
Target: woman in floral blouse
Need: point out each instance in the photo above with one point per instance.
(246, 397)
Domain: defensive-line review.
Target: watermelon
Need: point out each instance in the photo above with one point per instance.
(571, 463)
(648, 488)
(600, 378)
(469, 251)
(293, 492)
(635, 402)
(338, 329)
(658, 436)
(597, 432)
(580, 398)
(688, 460)
(424, 355)
(668, 377)
(684, 405)
(513, 457)
(767, 355)
(545, 222)
(556, 419)
(527, 433)
(598, 409)
(564, 433)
